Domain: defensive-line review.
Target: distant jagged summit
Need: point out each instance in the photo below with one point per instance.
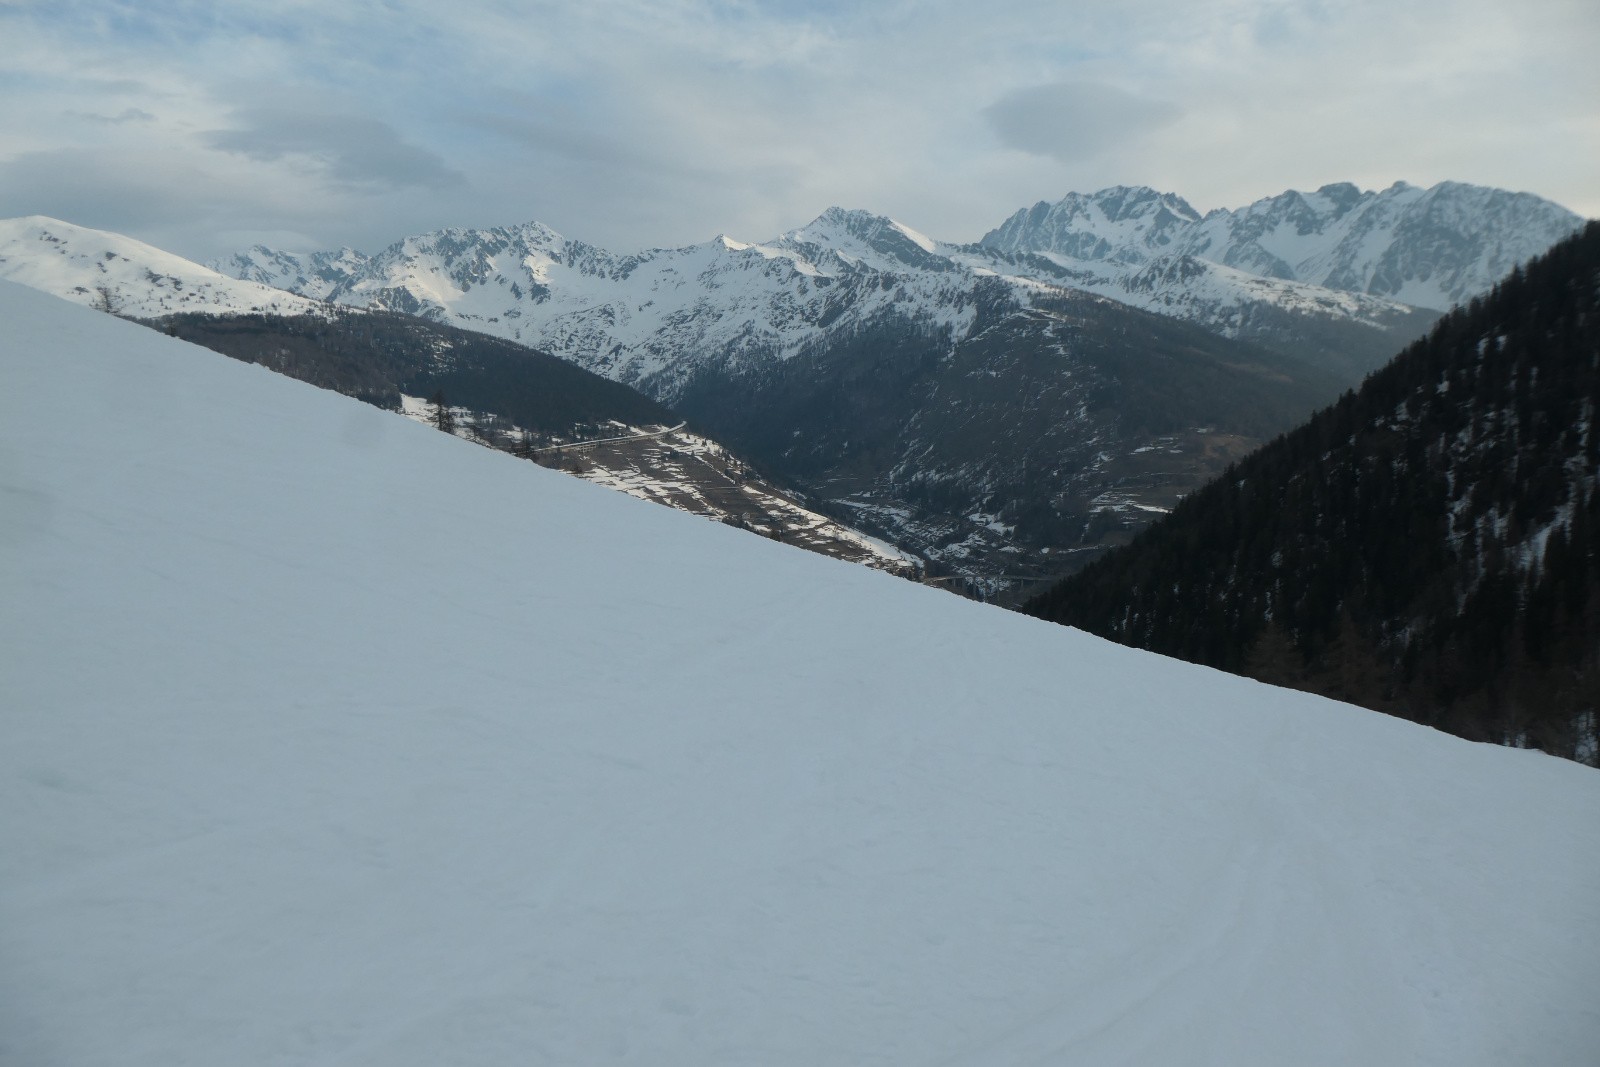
(313, 274)
(1128, 225)
(1432, 248)
(863, 237)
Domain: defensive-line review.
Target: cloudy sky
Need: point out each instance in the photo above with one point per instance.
(203, 126)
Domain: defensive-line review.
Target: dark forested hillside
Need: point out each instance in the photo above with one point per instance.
(1428, 546)
(1037, 430)
(375, 356)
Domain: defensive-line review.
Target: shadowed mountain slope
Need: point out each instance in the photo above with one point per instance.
(1428, 546)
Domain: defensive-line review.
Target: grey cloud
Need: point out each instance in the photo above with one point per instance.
(1074, 120)
(609, 129)
(626, 174)
(544, 136)
(132, 114)
(95, 189)
(167, 198)
(353, 150)
(110, 86)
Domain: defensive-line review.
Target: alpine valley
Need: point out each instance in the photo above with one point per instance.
(1004, 410)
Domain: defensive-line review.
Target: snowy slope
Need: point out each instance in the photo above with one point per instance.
(1431, 248)
(332, 739)
(681, 469)
(118, 274)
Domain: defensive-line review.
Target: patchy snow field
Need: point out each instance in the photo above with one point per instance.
(118, 274)
(678, 468)
(331, 739)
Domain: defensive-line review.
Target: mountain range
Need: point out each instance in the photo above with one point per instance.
(1001, 408)
(652, 317)
(975, 402)
(333, 739)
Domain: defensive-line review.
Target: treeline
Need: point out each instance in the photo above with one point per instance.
(1427, 546)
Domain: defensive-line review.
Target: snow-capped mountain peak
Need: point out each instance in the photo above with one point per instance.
(863, 237)
(1431, 248)
(313, 274)
(1126, 225)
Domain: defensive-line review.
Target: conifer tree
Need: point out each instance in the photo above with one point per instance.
(443, 418)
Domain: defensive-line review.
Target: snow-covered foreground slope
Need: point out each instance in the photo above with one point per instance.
(128, 277)
(331, 739)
